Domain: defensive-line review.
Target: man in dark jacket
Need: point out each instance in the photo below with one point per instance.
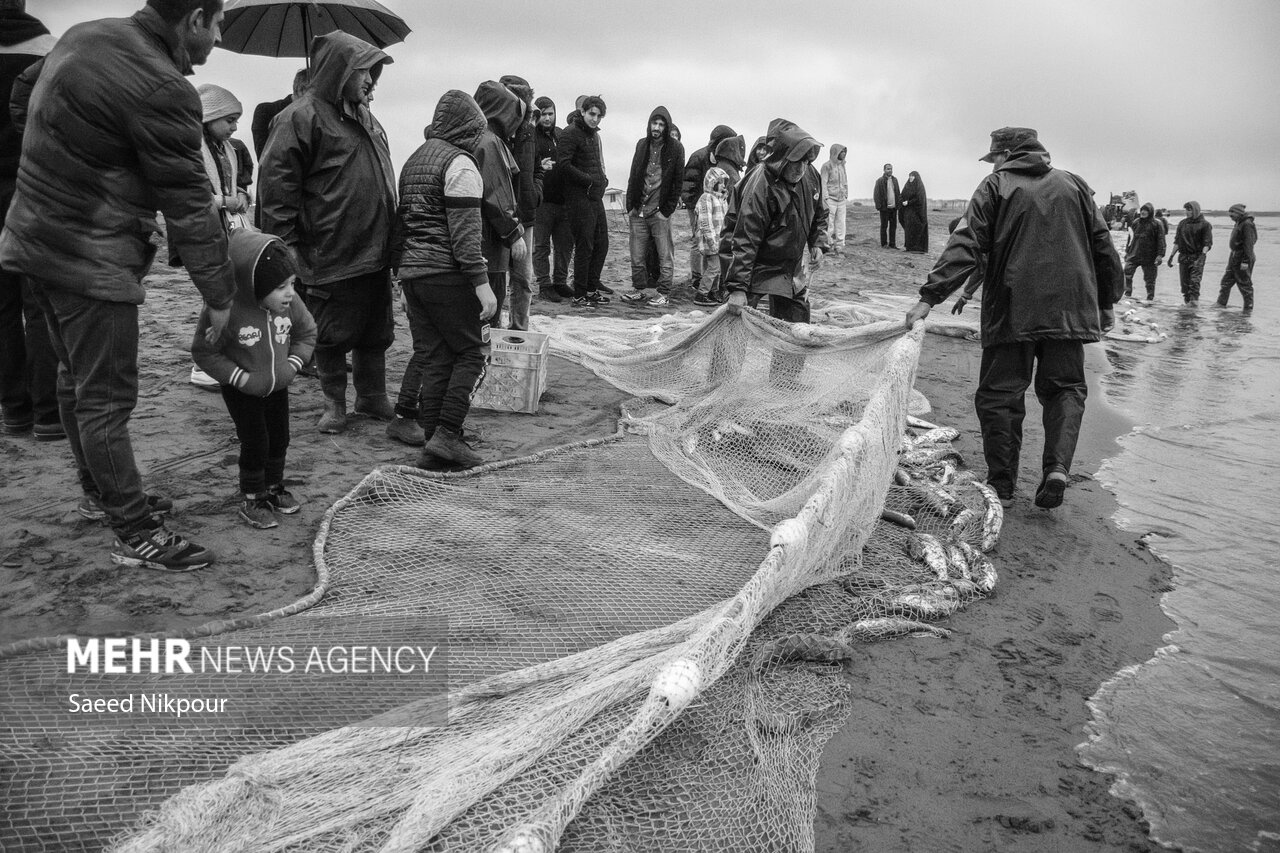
(89, 185)
(1052, 275)
(437, 253)
(580, 161)
(1146, 250)
(552, 239)
(327, 188)
(1191, 243)
(528, 186)
(502, 238)
(264, 113)
(695, 171)
(653, 191)
(1240, 263)
(775, 222)
(886, 196)
(28, 367)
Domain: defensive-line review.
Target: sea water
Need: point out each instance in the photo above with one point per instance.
(1193, 735)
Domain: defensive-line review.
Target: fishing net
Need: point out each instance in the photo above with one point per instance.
(644, 632)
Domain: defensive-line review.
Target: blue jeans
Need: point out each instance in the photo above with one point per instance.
(96, 343)
(652, 231)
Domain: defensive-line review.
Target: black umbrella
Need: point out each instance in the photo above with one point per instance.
(286, 27)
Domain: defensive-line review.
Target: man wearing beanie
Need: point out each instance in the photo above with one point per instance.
(1191, 242)
(1051, 278)
(326, 187)
(28, 367)
(82, 235)
(1239, 271)
(552, 239)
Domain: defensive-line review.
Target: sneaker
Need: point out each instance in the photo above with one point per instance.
(1049, 495)
(1003, 490)
(258, 511)
(200, 379)
(406, 431)
(584, 301)
(447, 445)
(659, 301)
(634, 296)
(90, 508)
(597, 297)
(161, 549)
(601, 288)
(701, 298)
(282, 500)
(50, 432)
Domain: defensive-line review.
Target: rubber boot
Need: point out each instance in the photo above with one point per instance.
(334, 418)
(369, 375)
(447, 445)
(377, 407)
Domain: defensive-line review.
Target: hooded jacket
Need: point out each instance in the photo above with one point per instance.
(695, 169)
(729, 155)
(672, 161)
(438, 231)
(528, 181)
(498, 169)
(1243, 237)
(772, 220)
(835, 181)
(1194, 235)
(752, 160)
(113, 135)
(1146, 243)
(1051, 265)
(259, 352)
(326, 185)
(23, 40)
(580, 160)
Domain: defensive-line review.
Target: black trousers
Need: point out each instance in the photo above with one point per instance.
(889, 227)
(1190, 271)
(1240, 277)
(590, 231)
(448, 341)
(353, 316)
(262, 424)
(1005, 375)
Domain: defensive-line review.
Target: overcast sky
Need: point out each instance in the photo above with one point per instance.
(1167, 98)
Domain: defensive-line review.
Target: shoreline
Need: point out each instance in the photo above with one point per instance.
(973, 749)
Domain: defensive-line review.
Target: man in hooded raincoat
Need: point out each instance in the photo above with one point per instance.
(835, 196)
(1239, 272)
(503, 234)
(1191, 243)
(326, 187)
(1052, 275)
(653, 191)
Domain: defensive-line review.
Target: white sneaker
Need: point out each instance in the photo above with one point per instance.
(202, 379)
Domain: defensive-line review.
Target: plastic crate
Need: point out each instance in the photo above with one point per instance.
(517, 372)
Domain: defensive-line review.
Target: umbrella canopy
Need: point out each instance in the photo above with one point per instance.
(284, 28)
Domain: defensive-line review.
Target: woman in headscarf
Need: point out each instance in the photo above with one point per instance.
(913, 212)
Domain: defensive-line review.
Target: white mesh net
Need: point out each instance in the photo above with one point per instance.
(644, 631)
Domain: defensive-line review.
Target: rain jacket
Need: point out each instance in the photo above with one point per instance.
(259, 352)
(752, 161)
(325, 181)
(113, 135)
(1146, 243)
(1194, 234)
(1243, 236)
(1051, 265)
(771, 223)
(695, 169)
(835, 182)
(499, 171)
(438, 232)
(580, 160)
(729, 155)
(672, 160)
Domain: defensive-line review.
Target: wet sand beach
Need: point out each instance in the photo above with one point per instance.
(958, 744)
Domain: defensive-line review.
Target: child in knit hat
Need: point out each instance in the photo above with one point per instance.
(267, 340)
(222, 113)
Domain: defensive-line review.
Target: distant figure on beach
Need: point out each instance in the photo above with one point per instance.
(502, 239)
(775, 222)
(28, 366)
(835, 196)
(1239, 271)
(437, 253)
(580, 160)
(914, 213)
(1145, 252)
(653, 192)
(1191, 243)
(886, 195)
(1052, 277)
(695, 169)
(326, 168)
(80, 234)
(552, 239)
(263, 113)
